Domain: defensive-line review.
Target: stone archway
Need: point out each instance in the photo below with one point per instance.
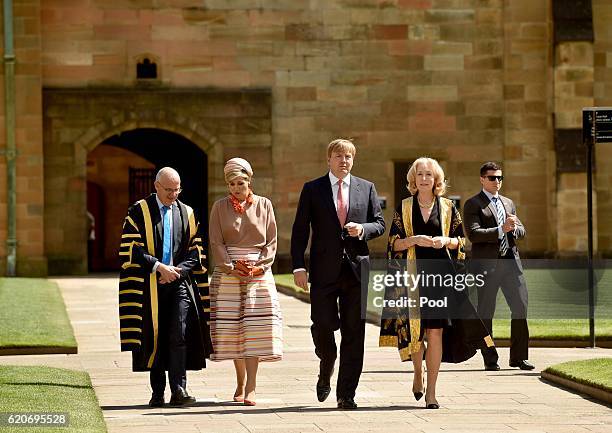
(223, 124)
(121, 170)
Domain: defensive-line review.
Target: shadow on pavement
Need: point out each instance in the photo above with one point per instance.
(240, 409)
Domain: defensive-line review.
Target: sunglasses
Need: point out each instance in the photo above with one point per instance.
(494, 178)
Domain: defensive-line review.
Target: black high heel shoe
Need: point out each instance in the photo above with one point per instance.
(419, 394)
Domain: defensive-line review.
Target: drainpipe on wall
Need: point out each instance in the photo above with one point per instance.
(11, 153)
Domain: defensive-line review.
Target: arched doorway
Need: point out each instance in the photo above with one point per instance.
(222, 123)
(123, 169)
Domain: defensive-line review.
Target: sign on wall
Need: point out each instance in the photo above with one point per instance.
(597, 125)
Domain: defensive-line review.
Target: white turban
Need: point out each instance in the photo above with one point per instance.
(237, 167)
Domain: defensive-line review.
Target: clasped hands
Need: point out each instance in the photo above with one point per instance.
(168, 274)
(243, 269)
(422, 241)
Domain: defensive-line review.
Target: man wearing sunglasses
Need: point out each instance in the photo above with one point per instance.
(493, 228)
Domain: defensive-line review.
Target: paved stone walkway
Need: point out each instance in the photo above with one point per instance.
(472, 400)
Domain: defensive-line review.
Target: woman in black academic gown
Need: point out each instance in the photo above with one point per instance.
(426, 240)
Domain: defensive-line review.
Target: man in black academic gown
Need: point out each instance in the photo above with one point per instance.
(163, 293)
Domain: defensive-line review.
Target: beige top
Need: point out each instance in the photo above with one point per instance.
(255, 228)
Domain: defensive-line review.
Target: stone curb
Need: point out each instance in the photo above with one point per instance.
(290, 291)
(499, 342)
(604, 344)
(39, 350)
(596, 393)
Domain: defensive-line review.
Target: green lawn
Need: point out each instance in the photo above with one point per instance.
(558, 306)
(557, 329)
(33, 315)
(593, 372)
(46, 389)
(287, 280)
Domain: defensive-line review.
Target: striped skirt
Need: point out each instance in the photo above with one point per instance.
(245, 317)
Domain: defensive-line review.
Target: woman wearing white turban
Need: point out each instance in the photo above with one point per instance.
(246, 323)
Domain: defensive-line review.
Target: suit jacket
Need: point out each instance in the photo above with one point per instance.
(480, 223)
(316, 211)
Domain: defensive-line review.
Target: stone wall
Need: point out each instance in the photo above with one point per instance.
(583, 79)
(528, 151)
(30, 197)
(602, 17)
(76, 121)
(463, 81)
(573, 91)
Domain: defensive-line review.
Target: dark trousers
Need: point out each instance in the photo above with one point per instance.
(174, 301)
(512, 282)
(338, 306)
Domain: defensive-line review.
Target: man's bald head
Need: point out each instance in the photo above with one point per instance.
(167, 173)
(167, 185)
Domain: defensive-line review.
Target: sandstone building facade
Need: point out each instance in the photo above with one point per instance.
(108, 91)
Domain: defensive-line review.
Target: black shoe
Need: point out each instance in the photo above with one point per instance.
(323, 389)
(523, 365)
(326, 370)
(419, 394)
(157, 400)
(346, 403)
(492, 367)
(181, 398)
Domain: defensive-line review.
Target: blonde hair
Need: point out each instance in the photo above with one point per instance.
(341, 145)
(439, 182)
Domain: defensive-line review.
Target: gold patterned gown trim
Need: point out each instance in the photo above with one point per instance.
(414, 313)
(446, 212)
(152, 279)
(390, 340)
(387, 340)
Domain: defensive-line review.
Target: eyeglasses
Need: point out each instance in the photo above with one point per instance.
(171, 190)
(494, 178)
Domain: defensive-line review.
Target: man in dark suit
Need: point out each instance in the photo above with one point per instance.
(492, 226)
(344, 213)
(163, 293)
